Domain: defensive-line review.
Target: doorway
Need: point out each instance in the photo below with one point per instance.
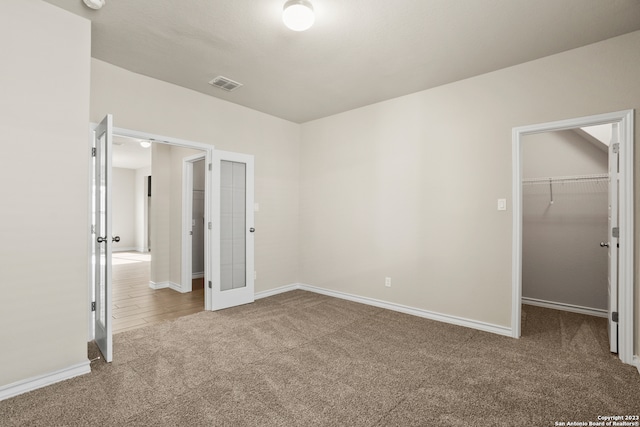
(565, 189)
(619, 228)
(228, 234)
(103, 238)
(145, 293)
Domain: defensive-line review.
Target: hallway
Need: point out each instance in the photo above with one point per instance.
(136, 305)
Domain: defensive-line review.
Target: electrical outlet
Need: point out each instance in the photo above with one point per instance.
(387, 282)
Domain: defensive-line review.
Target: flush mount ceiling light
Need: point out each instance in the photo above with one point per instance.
(298, 15)
(94, 4)
(145, 144)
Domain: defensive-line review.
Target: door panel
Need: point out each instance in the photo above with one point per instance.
(102, 237)
(613, 241)
(233, 222)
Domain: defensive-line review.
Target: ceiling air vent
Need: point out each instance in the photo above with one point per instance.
(225, 83)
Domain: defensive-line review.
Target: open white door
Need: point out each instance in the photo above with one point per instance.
(102, 236)
(613, 238)
(233, 228)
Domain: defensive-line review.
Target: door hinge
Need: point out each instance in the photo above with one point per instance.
(615, 232)
(93, 151)
(93, 306)
(616, 147)
(210, 166)
(209, 226)
(209, 284)
(93, 229)
(614, 316)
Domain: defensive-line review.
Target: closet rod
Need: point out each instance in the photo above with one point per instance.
(577, 178)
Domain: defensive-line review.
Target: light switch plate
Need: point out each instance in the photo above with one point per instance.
(256, 207)
(502, 204)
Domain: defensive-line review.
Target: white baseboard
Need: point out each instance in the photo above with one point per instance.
(159, 285)
(30, 384)
(177, 287)
(445, 318)
(276, 291)
(199, 275)
(162, 285)
(566, 307)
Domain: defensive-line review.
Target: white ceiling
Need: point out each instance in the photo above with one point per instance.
(358, 52)
(129, 154)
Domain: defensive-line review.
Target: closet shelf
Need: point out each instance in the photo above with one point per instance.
(565, 179)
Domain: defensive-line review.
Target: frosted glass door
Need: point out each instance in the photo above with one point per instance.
(102, 237)
(233, 206)
(233, 230)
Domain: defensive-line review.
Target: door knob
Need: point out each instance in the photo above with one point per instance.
(604, 244)
(251, 230)
(104, 239)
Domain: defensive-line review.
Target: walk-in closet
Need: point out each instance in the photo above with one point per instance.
(565, 216)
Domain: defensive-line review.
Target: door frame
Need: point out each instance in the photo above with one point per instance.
(187, 215)
(625, 270)
(208, 149)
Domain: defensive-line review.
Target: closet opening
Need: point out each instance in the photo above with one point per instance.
(573, 231)
(565, 184)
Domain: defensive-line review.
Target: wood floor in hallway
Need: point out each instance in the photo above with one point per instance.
(136, 305)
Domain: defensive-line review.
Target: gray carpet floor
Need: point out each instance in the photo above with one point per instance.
(303, 359)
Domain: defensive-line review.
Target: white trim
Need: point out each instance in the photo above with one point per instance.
(167, 284)
(566, 307)
(33, 383)
(199, 275)
(625, 212)
(176, 287)
(432, 315)
(276, 291)
(159, 285)
(187, 215)
(427, 314)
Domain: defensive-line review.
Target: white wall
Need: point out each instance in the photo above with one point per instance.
(160, 213)
(149, 105)
(44, 223)
(562, 260)
(407, 188)
(124, 208)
